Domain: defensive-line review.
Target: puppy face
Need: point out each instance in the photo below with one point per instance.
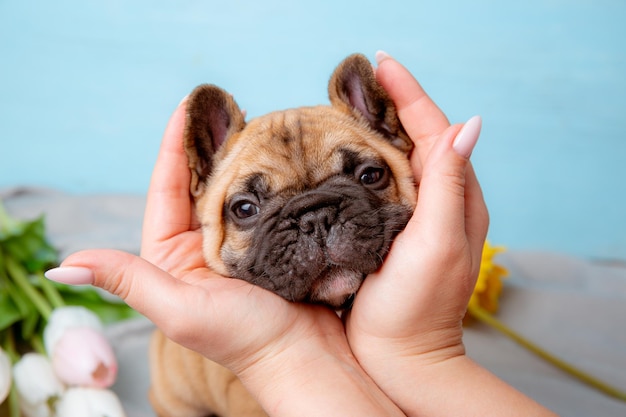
(303, 202)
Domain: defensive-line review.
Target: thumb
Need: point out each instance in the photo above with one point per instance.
(142, 285)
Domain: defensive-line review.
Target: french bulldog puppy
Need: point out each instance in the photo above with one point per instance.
(303, 202)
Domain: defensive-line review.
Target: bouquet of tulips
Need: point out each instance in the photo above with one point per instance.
(54, 358)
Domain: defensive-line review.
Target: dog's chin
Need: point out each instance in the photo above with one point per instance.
(336, 287)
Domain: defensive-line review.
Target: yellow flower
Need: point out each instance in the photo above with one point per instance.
(489, 284)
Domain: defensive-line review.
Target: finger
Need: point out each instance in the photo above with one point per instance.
(168, 208)
(143, 286)
(476, 213)
(203, 311)
(419, 115)
(439, 214)
(437, 228)
(173, 305)
(441, 208)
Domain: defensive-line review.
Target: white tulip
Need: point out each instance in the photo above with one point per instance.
(5, 375)
(64, 318)
(89, 402)
(37, 385)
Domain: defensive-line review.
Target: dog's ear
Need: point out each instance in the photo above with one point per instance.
(212, 117)
(353, 88)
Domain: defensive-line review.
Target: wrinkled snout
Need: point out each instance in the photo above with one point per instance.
(314, 212)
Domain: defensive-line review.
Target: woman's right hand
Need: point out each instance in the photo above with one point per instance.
(405, 327)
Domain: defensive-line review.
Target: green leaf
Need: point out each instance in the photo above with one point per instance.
(9, 313)
(25, 241)
(29, 325)
(9, 226)
(19, 276)
(50, 291)
(20, 300)
(30, 248)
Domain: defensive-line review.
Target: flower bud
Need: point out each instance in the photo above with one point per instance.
(89, 402)
(37, 385)
(5, 375)
(64, 318)
(83, 357)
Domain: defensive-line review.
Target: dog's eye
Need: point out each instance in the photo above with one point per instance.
(373, 176)
(245, 209)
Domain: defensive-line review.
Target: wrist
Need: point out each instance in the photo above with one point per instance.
(448, 383)
(380, 352)
(315, 377)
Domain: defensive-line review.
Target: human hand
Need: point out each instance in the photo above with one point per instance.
(405, 327)
(414, 304)
(281, 351)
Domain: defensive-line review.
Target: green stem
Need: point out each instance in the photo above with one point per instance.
(9, 346)
(20, 277)
(14, 402)
(37, 343)
(485, 317)
(54, 297)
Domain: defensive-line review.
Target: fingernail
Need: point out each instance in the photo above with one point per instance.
(467, 137)
(381, 56)
(73, 275)
(183, 100)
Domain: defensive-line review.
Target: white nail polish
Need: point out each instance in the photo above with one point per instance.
(183, 100)
(381, 56)
(467, 137)
(72, 275)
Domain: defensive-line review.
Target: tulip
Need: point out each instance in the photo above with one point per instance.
(37, 386)
(64, 318)
(83, 357)
(89, 402)
(5, 375)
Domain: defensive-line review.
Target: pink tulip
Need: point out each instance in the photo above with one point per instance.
(63, 318)
(83, 357)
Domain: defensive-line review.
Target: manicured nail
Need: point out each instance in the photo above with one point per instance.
(381, 56)
(183, 100)
(73, 275)
(467, 137)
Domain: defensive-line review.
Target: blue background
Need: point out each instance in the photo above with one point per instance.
(86, 88)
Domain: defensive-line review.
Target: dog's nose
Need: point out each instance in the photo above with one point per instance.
(319, 221)
(314, 212)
